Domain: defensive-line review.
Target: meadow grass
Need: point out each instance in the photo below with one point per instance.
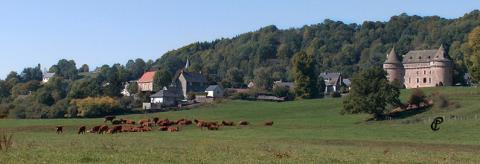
(305, 131)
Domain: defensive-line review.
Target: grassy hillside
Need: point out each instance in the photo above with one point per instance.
(304, 132)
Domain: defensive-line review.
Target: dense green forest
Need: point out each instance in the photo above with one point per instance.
(261, 56)
(337, 46)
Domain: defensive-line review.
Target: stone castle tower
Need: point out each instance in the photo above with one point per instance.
(420, 68)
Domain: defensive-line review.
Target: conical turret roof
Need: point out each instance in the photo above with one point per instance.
(392, 57)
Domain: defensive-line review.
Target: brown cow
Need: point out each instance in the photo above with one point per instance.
(103, 129)
(163, 128)
(82, 130)
(131, 122)
(213, 127)
(116, 122)
(155, 120)
(95, 129)
(243, 123)
(108, 118)
(115, 129)
(143, 121)
(173, 129)
(269, 123)
(228, 123)
(59, 129)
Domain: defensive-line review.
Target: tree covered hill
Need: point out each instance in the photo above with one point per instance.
(337, 46)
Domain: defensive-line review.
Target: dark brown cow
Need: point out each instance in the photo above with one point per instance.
(82, 130)
(59, 129)
(163, 128)
(155, 120)
(228, 123)
(213, 127)
(173, 129)
(116, 122)
(103, 129)
(115, 129)
(95, 129)
(269, 123)
(243, 123)
(108, 118)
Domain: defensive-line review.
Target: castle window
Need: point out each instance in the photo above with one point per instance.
(424, 80)
(418, 81)
(424, 72)
(417, 72)
(430, 71)
(429, 80)
(409, 80)
(411, 57)
(419, 57)
(429, 57)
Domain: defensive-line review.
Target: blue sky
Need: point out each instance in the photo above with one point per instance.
(97, 32)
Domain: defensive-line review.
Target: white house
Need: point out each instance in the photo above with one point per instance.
(214, 91)
(47, 76)
(166, 97)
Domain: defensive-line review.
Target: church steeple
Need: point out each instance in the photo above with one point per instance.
(187, 64)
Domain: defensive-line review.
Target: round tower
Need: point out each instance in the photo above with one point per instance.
(443, 68)
(394, 67)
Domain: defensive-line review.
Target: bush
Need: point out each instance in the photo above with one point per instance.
(417, 97)
(336, 94)
(281, 91)
(95, 107)
(191, 96)
(439, 101)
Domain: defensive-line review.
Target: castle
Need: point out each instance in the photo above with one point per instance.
(420, 68)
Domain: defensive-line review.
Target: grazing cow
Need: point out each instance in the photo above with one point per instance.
(156, 119)
(115, 129)
(165, 122)
(123, 121)
(82, 130)
(213, 127)
(243, 123)
(141, 122)
(116, 122)
(148, 124)
(109, 118)
(173, 129)
(59, 129)
(103, 129)
(228, 123)
(95, 129)
(163, 128)
(131, 122)
(269, 123)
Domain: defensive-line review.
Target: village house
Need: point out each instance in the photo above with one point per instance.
(145, 83)
(165, 97)
(190, 82)
(420, 68)
(333, 81)
(214, 91)
(46, 77)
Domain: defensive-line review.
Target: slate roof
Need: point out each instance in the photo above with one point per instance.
(48, 75)
(212, 87)
(147, 77)
(286, 84)
(194, 77)
(165, 93)
(392, 57)
(347, 82)
(425, 56)
(331, 78)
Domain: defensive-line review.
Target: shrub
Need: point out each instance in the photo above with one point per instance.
(281, 91)
(440, 101)
(336, 94)
(417, 97)
(98, 106)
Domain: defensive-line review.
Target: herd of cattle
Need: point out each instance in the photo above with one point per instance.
(145, 125)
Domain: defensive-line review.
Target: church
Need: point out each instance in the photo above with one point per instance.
(420, 68)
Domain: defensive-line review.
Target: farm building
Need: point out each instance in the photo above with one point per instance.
(214, 91)
(145, 83)
(166, 97)
(333, 81)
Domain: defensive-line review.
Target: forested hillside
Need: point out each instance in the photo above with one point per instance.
(337, 46)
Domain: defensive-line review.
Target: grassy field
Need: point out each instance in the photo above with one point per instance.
(307, 131)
